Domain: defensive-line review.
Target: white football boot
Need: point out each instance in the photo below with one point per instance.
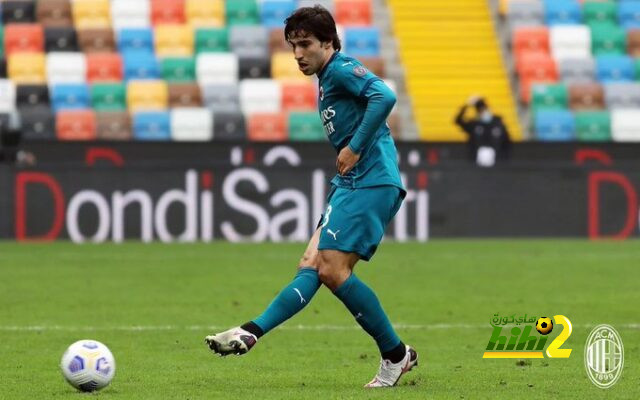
(389, 373)
(234, 341)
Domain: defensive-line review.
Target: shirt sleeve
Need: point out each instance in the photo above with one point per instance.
(380, 102)
(354, 78)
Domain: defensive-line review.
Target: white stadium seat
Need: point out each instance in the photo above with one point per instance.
(66, 67)
(570, 41)
(191, 124)
(7, 95)
(625, 125)
(260, 96)
(217, 68)
(130, 14)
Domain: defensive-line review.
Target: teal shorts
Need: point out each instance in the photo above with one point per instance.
(355, 219)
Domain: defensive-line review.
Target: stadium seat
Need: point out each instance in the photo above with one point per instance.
(285, 67)
(614, 68)
(7, 95)
(3, 67)
(60, 39)
(522, 13)
(637, 68)
(191, 124)
(216, 68)
(70, 96)
(629, 14)
(211, 40)
(622, 95)
(178, 69)
(32, 96)
(575, 70)
(54, 13)
(593, 126)
(91, 13)
(167, 12)
(109, 97)
(545, 96)
(625, 125)
(362, 42)
(374, 64)
(562, 12)
(38, 123)
(174, 40)
(96, 40)
(242, 12)
(2, 52)
(221, 97)
(260, 96)
(531, 39)
(608, 39)
(353, 12)
(66, 67)
(27, 68)
(130, 14)
(149, 95)
(151, 126)
(18, 12)
(554, 125)
(184, 95)
(135, 39)
(535, 68)
(23, 38)
(205, 13)
(229, 126)
(586, 96)
(249, 41)
(633, 42)
(104, 67)
(305, 126)
(140, 65)
(597, 12)
(277, 41)
(267, 127)
(301, 96)
(570, 41)
(113, 125)
(255, 67)
(274, 12)
(76, 125)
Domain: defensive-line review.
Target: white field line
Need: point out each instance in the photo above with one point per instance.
(141, 328)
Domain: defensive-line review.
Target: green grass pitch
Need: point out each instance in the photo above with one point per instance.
(153, 305)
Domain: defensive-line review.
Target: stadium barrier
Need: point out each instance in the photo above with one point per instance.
(275, 192)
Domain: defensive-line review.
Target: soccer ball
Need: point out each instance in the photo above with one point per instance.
(88, 365)
(544, 325)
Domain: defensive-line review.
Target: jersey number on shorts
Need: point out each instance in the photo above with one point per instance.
(326, 216)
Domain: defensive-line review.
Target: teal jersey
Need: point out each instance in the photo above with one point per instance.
(345, 87)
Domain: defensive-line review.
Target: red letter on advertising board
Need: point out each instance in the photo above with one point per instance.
(595, 179)
(22, 179)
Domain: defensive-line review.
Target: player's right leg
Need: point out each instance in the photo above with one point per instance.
(293, 298)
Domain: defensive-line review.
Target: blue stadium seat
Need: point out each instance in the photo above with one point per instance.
(140, 65)
(151, 126)
(362, 42)
(70, 97)
(562, 12)
(555, 125)
(274, 12)
(629, 14)
(614, 68)
(135, 39)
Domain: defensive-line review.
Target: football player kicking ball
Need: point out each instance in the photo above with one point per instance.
(365, 195)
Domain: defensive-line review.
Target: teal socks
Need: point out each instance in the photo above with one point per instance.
(290, 300)
(364, 305)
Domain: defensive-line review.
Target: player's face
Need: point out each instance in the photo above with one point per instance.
(310, 53)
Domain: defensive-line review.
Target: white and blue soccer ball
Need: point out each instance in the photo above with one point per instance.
(88, 365)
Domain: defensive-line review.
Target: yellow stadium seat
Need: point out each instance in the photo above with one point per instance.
(91, 13)
(174, 40)
(149, 95)
(205, 13)
(284, 67)
(27, 68)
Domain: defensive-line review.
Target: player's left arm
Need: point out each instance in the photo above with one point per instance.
(380, 101)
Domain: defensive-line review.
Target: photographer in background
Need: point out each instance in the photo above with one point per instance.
(489, 139)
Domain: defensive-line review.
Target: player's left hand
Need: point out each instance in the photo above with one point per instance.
(347, 159)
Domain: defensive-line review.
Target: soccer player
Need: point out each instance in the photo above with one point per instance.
(365, 195)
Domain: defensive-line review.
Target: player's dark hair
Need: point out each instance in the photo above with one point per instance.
(315, 20)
